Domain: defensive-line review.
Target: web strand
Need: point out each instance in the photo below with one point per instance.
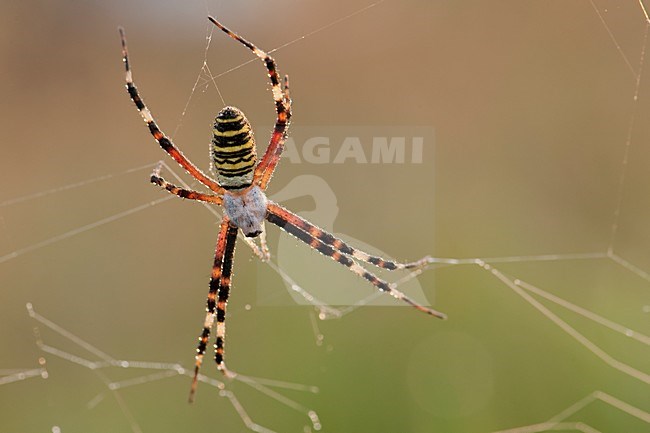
(628, 143)
(164, 371)
(303, 37)
(614, 41)
(557, 422)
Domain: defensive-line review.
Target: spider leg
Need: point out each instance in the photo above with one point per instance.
(273, 153)
(164, 141)
(266, 166)
(222, 299)
(212, 306)
(341, 258)
(339, 245)
(183, 193)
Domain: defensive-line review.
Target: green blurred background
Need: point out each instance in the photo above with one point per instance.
(531, 103)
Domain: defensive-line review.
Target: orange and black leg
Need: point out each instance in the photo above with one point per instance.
(222, 298)
(328, 250)
(181, 192)
(211, 305)
(339, 245)
(164, 141)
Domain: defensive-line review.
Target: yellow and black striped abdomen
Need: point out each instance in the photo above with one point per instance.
(233, 149)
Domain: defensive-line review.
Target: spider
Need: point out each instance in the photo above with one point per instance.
(239, 187)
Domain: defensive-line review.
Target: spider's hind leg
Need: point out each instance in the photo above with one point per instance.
(292, 224)
(222, 299)
(217, 299)
(341, 246)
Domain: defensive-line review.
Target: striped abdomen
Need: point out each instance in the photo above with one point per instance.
(233, 149)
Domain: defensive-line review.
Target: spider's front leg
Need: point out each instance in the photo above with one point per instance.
(165, 142)
(266, 167)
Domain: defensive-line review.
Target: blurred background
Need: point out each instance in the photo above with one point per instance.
(533, 107)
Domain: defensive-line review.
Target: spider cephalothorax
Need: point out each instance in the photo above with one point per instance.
(239, 188)
(246, 210)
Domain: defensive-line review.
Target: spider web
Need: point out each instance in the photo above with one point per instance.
(592, 305)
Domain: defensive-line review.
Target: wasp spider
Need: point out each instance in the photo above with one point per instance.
(239, 187)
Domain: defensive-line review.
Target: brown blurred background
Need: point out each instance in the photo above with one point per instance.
(531, 104)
